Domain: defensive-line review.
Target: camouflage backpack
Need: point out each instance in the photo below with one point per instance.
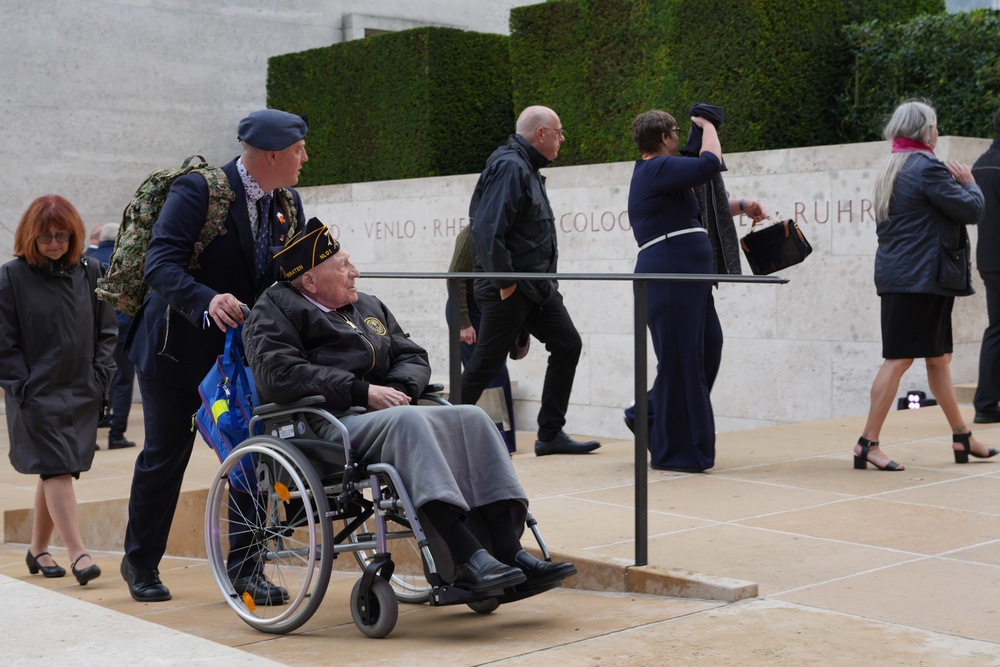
(124, 285)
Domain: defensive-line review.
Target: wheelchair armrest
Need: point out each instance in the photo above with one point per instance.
(432, 394)
(273, 408)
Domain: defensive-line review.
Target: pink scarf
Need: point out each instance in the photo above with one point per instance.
(904, 145)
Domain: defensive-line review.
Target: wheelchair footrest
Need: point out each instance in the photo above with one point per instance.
(521, 592)
(441, 596)
(447, 595)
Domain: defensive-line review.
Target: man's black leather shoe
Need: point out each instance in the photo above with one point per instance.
(987, 416)
(119, 443)
(144, 584)
(676, 468)
(541, 572)
(260, 589)
(563, 444)
(484, 573)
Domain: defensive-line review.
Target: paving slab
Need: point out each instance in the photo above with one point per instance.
(847, 566)
(43, 628)
(767, 632)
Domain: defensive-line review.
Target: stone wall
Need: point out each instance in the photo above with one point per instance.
(98, 93)
(803, 351)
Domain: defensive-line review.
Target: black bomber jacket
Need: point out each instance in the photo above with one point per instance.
(513, 227)
(296, 349)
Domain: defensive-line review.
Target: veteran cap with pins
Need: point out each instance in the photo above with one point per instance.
(308, 248)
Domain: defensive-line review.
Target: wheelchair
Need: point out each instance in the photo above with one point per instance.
(314, 502)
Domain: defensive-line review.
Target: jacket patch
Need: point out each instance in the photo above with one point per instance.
(375, 325)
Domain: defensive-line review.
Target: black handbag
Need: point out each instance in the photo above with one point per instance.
(955, 267)
(774, 247)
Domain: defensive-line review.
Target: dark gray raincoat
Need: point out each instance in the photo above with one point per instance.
(55, 364)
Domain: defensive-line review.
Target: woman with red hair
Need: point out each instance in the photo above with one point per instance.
(56, 362)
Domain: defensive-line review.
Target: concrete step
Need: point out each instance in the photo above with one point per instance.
(965, 392)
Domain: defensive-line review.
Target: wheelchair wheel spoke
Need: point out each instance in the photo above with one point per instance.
(283, 528)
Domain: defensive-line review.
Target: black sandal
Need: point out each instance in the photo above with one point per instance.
(861, 460)
(962, 455)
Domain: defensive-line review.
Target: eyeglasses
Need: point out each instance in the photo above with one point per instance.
(60, 237)
(676, 131)
(557, 130)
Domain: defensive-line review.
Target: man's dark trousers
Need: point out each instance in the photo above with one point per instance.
(159, 468)
(988, 391)
(121, 385)
(550, 323)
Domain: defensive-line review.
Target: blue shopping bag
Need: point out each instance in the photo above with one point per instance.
(228, 397)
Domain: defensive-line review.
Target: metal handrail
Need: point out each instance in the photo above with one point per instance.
(640, 282)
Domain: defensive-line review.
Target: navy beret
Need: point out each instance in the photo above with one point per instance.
(305, 250)
(272, 130)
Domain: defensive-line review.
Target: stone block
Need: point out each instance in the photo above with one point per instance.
(655, 580)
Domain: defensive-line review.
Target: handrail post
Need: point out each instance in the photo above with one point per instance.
(454, 343)
(640, 283)
(641, 427)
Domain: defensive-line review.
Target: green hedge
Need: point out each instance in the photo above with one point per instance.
(952, 60)
(776, 67)
(598, 64)
(437, 101)
(416, 103)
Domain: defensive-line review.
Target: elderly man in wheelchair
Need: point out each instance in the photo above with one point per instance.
(312, 334)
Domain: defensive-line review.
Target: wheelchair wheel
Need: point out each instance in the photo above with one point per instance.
(487, 606)
(408, 579)
(292, 536)
(384, 610)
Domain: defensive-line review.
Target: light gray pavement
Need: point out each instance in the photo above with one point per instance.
(851, 567)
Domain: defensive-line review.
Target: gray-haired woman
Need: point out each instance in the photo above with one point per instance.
(921, 204)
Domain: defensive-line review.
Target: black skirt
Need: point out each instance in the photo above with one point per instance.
(916, 326)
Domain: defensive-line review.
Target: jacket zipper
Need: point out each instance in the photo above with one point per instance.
(363, 337)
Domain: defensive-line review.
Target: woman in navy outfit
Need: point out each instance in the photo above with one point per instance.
(687, 336)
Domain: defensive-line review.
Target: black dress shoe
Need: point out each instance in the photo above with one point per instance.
(563, 444)
(630, 423)
(987, 416)
(676, 468)
(86, 574)
(50, 571)
(484, 573)
(540, 572)
(260, 589)
(144, 583)
(119, 443)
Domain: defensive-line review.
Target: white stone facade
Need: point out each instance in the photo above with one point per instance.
(96, 94)
(803, 351)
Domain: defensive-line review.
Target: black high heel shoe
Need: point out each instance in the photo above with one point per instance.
(861, 460)
(962, 455)
(86, 574)
(50, 571)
